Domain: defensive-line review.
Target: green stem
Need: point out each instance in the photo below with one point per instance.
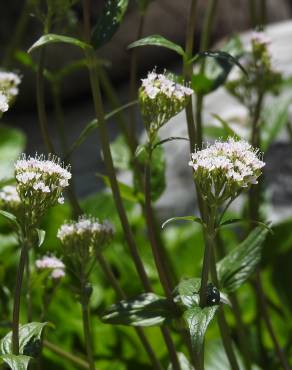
(64, 354)
(204, 44)
(87, 333)
(19, 31)
(41, 102)
(264, 309)
(17, 295)
(188, 72)
(241, 332)
(115, 187)
(121, 295)
(223, 325)
(263, 13)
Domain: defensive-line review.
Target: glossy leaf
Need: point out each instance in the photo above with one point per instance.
(147, 309)
(19, 362)
(188, 290)
(52, 38)
(198, 320)
(182, 218)
(29, 335)
(183, 361)
(108, 22)
(241, 262)
(157, 40)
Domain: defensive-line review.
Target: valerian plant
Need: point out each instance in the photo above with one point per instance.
(63, 264)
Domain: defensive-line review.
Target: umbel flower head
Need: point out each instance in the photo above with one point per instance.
(9, 82)
(9, 199)
(53, 264)
(223, 169)
(86, 230)
(40, 182)
(160, 99)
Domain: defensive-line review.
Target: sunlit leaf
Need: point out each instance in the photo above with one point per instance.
(41, 236)
(29, 336)
(157, 40)
(183, 361)
(241, 262)
(108, 22)
(15, 362)
(182, 218)
(147, 309)
(57, 39)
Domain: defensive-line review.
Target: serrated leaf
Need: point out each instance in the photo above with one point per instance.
(28, 335)
(241, 262)
(198, 320)
(183, 361)
(41, 236)
(189, 292)
(182, 218)
(108, 22)
(157, 40)
(52, 38)
(19, 362)
(147, 309)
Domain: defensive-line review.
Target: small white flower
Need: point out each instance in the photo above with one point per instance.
(57, 274)
(41, 181)
(3, 103)
(8, 194)
(49, 262)
(260, 38)
(223, 168)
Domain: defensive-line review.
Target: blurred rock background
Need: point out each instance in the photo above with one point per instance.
(167, 18)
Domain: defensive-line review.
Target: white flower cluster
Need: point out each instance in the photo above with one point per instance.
(223, 168)
(9, 82)
(260, 38)
(9, 194)
(156, 84)
(51, 263)
(41, 179)
(89, 228)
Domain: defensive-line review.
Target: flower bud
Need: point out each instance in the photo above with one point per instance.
(161, 98)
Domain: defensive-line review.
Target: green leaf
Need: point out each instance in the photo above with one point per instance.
(274, 117)
(120, 153)
(41, 236)
(231, 221)
(241, 262)
(9, 216)
(92, 125)
(188, 290)
(222, 56)
(127, 192)
(183, 361)
(12, 144)
(226, 127)
(29, 336)
(157, 40)
(108, 22)
(52, 38)
(19, 362)
(182, 218)
(147, 309)
(198, 320)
